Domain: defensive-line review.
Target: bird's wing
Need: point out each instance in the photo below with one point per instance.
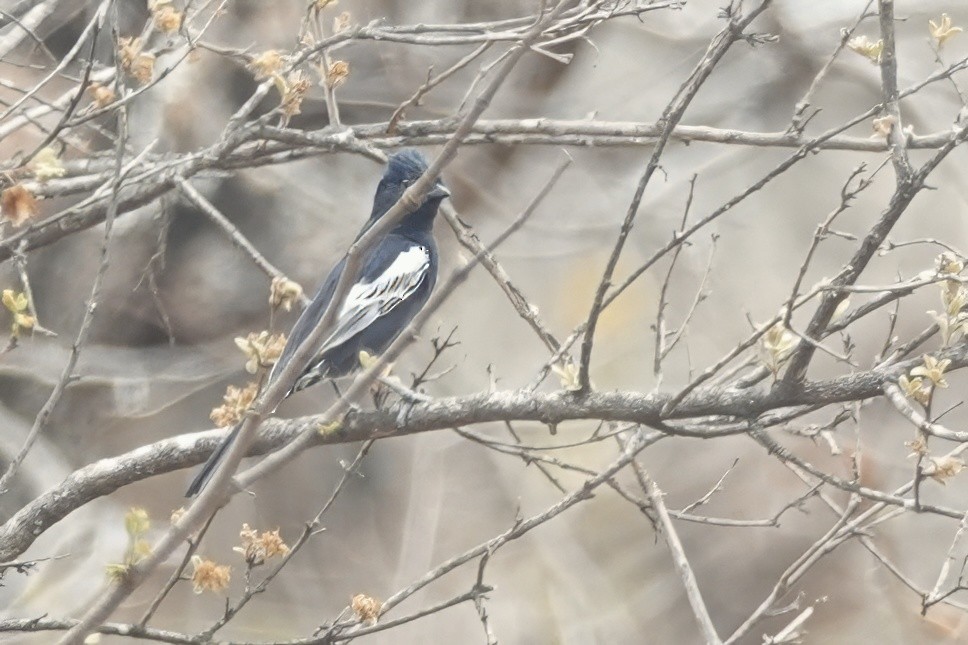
(309, 318)
(393, 272)
(378, 294)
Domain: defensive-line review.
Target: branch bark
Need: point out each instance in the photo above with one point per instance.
(107, 475)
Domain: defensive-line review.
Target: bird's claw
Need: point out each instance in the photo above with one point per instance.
(408, 398)
(403, 415)
(412, 396)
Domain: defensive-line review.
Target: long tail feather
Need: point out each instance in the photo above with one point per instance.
(211, 465)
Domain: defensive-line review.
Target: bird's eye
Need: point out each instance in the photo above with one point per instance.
(407, 182)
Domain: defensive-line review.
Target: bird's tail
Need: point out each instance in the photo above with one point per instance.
(212, 464)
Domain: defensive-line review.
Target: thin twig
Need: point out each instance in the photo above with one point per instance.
(233, 233)
(67, 374)
(680, 561)
(670, 118)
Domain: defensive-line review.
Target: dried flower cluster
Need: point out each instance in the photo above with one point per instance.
(919, 446)
(101, 94)
(942, 30)
(258, 547)
(284, 293)
(266, 65)
(137, 63)
(18, 205)
(208, 575)
(915, 388)
(337, 73)
(237, 402)
(944, 468)
(166, 18)
(952, 321)
(867, 48)
(567, 373)
(293, 90)
(366, 608)
(919, 384)
(261, 349)
(883, 125)
(341, 22)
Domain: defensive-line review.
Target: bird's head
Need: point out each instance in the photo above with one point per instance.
(403, 169)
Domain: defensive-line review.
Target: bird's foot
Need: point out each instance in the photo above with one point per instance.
(403, 414)
(404, 392)
(408, 398)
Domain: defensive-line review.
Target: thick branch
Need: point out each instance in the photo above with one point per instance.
(107, 475)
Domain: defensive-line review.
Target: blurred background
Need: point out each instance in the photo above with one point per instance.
(596, 574)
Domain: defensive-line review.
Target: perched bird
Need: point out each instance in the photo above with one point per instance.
(394, 283)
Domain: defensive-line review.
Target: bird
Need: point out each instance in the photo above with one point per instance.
(395, 281)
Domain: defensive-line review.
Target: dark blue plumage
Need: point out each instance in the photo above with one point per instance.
(396, 279)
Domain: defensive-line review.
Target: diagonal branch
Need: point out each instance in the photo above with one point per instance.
(671, 116)
(218, 490)
(680, 561)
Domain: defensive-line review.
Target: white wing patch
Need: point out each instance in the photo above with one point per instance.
(369, 300)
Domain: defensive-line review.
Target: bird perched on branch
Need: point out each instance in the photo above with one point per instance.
(397, 275)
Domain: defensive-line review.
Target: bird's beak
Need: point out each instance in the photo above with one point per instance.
(439, 191)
